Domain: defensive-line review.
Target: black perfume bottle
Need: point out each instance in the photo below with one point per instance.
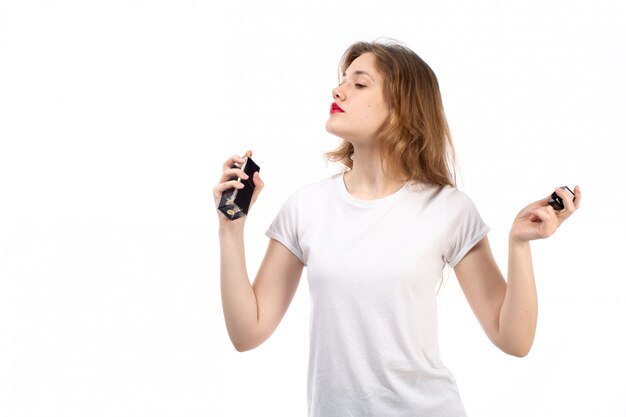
(235, 202)
(557, 202)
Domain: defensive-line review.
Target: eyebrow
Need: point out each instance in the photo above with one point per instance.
(359, 72)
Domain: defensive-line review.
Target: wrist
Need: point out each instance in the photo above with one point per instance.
(516, 241)
(231, 227)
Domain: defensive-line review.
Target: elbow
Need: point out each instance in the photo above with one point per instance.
(245, 341)
(518, 353)
(516, 344)
(245, 344)
(519, 350)
(242, 346)
(241, 338)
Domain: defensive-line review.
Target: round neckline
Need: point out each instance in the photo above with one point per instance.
(343, 190)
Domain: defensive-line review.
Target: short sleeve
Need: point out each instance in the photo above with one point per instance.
(284, 228)
(465, 228)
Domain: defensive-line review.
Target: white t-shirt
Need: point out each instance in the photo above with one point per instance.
(373, 268)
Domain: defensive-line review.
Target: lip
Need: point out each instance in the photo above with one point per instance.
(334, 108)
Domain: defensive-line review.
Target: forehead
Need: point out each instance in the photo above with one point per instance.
(364, 63)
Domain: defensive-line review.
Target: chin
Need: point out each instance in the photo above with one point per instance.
(334, 130)
(329, 126)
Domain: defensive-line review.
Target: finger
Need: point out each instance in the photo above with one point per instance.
(219, 189)
(235, 159)
(577, 196)
(233, 172)
(545, 214)
(544, 201)
(258, 186)
(539, 203)
(568, 202)
(547, 218)
(258, 183)
(526, 211)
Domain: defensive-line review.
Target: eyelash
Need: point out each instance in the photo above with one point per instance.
(357, 85)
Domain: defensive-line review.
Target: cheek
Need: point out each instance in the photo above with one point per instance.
(376, 111)
(380, 112)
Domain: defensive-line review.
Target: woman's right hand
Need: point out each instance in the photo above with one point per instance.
(226, 182)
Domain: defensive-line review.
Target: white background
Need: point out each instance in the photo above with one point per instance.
(115, 118)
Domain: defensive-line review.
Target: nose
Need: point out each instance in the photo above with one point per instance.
(338, 93)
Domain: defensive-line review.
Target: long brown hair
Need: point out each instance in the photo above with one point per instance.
(415, 141)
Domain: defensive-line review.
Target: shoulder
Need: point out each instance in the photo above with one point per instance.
(320, 185)
(446, 196)
(446, 203)
(318, 188)
(455, 197)
(458, 208)
(314, 191)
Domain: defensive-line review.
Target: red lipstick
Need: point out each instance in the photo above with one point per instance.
(334, 108)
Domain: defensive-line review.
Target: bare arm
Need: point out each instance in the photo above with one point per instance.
(507, 310)
(252, 312)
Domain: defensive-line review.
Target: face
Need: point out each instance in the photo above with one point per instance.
(359, 108)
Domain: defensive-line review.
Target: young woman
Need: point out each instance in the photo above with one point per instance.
(375, 240)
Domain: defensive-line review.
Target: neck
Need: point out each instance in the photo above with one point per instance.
(368, 179)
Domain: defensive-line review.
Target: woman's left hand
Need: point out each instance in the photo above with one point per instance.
(539, 220)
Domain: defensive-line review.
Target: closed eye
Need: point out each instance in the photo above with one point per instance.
(360, 85)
